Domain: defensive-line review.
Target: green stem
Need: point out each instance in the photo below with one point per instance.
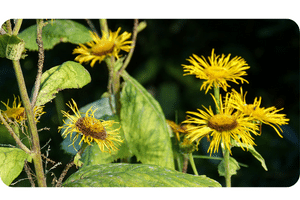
(17, 26)
(227, 168)
(36, 150)
(39, 41)
(224, 149)
(193, 164)
(8, 27)
(217, 97)
(103, 25)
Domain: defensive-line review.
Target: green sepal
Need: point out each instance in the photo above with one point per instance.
(11, 47)
(135, 175)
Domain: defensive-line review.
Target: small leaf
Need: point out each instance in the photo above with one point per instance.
(233, 166)
(11, 47)
(11, 163)
(252, 150)
(65, 76)
(135, 175)
(144, 125)
(56, 32)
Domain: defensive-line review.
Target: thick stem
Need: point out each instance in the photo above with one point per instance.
(193, 164)
(185, 163)
(36, 150)
(227, 168)
(103, 25)
(39, 41)
(224, 149)
(17, 26)
(217, 97)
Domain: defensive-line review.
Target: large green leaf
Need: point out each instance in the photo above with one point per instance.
(144, 125)
(11, 47)
(11, 163)
(56, 32)
(65, 76)
(135, 175)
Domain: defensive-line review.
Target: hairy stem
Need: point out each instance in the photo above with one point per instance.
(134, 36)
(36, 150)
(17, 26)
(39, 41)
(103, 25)
(14, 135)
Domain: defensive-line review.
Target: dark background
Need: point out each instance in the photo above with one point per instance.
(270, 47)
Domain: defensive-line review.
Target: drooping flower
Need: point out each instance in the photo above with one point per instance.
(17, 112)
(223, 127)
(110, 44)
(269, 116)
(90, 129)
(217, 71)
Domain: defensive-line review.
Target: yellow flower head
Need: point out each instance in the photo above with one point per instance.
(218, 71)
(267, 116)
(108, 45)
(17, 112)
(225, 126)
(90, 129)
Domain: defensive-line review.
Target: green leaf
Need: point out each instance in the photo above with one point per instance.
(135, 175)
(11, 163)
(65, 76)
(11, 47)
(233, 167)
(144, 125)
(252, 150)
(56, 32)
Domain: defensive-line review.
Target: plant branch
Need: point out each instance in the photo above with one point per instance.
(91, 25)
(39, 41)
(8, 27)
(64, 173)
(185, 163)
(17, 26)
(193, 164)
(36, 151)
(227, 168)
(14, 135)
(27, 170)
(134, 36)
(103, 25)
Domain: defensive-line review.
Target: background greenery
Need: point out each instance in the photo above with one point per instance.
(270, 47)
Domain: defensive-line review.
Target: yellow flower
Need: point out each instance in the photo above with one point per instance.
(267, 116)
(90, 129)
(108, 45)
(223, 127)
(17, 112)
(218, 71)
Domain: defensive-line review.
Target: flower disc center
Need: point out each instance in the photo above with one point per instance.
(90, 126)
(103, 48)
(222, 122)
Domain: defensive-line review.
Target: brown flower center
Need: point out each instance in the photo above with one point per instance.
(90, 126)
(222, 122)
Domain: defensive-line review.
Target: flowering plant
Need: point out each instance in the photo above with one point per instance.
(124, 133)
